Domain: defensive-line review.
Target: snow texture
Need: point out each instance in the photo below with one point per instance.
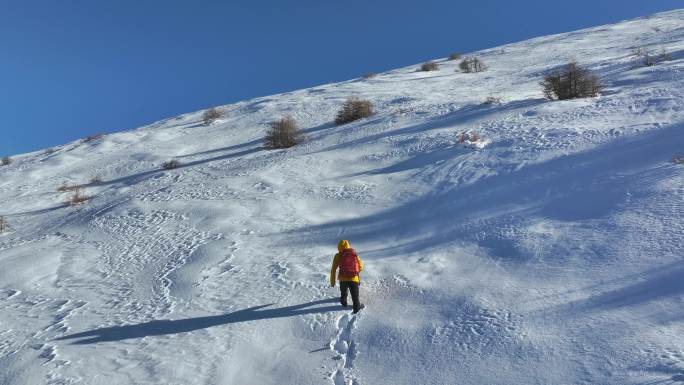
(550, 255)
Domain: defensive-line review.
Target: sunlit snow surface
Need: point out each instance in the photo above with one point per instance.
(552, 255)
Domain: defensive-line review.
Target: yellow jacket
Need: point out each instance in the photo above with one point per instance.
(344, 244)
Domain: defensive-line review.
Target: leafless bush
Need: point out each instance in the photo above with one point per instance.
(92, 138)
(64, 187)
(664, 55)
(77, 197)
(649, 59)
(369, 75)
(571, 82)
(95, 179)
(429, 66)
(354, 109)
(472, 64)
(639, 51)
(462, 137)
(678, 159)
(211, 115)
(454, 56)
(492, 100)
(170, 164)
(4, 226)
(470, 137)
(283, 133)
(5, 161)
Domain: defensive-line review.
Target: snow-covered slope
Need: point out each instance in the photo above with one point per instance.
(551, 256)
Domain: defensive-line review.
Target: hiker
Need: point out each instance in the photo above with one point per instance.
(350, 266)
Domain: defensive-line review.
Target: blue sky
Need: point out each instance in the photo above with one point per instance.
(72, 68)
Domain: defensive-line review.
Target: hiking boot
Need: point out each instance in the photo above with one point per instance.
(360, 307)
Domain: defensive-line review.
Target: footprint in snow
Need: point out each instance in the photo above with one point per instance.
(345, 348)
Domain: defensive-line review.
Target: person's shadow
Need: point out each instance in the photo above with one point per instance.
(162, 327)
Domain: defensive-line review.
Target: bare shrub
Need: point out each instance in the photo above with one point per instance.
(571, 82)
(64, 187)
(211, 115)
(283, 133)
(429, 66)
(664, 55)
(354, 109)
(639, 51)
(77, 197)
(4, 226)
(649, 59)
(92, 138)
(5, 161)
(370, 75)
(492, 100)
(454, 56)
(170, 164)
(472, 64)
(462, 137)
(470, 137)
(642, 53)
(678, 159)
(95, 179)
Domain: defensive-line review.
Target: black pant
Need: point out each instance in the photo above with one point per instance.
(353, 287)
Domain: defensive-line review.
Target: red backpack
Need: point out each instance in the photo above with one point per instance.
(349, 266)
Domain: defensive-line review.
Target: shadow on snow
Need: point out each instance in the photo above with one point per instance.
(584, 186)
(660, 284)
(164, 327)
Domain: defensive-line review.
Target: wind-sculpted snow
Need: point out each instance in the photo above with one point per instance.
(547, 252)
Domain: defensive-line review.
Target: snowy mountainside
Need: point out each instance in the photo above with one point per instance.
(551, 256)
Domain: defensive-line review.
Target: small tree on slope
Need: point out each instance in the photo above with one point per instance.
(283, 133)
(472, 64)
(211, 115)
(571, 82)
(4, 226)
(354, 109)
